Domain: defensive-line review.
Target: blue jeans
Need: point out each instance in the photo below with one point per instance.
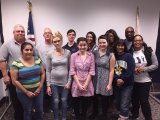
(28, 103)
(123, 99)
(59, 94)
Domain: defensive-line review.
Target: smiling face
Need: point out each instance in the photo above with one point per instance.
(19, 33)
(83, 46)
(89, 38)
(103, 44)
(27, 51)
(137, 42)
(71, 36)
(57, 42)
(120, 49)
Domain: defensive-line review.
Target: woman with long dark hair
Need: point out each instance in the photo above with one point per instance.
(112, 37)
(91, 40)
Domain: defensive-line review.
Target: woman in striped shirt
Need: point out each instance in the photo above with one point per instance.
(27, 74)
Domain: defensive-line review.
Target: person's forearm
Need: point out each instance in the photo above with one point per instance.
(69, 80)
(111, 74)
(154, 64)
(42, 80)
(20, 86)
(76, 79)
(3, 68)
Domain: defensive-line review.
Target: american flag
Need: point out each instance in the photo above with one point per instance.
(30, 30)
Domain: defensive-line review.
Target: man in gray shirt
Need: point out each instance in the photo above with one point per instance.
(9, 52)
(47, 45)
(42, 49)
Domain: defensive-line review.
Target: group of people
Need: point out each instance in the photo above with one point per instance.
(80, 75)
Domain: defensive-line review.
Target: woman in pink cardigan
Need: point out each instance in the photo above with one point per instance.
(82, 69)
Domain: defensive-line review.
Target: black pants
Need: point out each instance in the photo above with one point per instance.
(70, 100)
(46, 99)
(94, 104)
(80, 105)
(140, 99)
(104, 103)
(18, 110)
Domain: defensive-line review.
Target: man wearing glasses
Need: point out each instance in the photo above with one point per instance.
(43, 48)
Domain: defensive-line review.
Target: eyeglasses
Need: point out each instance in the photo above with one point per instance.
(139, 41)
(47, 33)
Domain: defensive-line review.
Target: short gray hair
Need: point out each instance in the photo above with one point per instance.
(18, 25)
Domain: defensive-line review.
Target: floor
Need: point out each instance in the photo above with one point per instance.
(155, 107)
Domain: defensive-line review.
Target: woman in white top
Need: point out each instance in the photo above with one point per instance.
(145, 61)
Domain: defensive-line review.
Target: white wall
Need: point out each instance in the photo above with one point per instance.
(83, 16)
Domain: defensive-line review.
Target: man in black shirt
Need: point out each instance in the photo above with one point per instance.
(129, 33)
(71, 45)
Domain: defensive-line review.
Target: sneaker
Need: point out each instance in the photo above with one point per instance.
(121, 117)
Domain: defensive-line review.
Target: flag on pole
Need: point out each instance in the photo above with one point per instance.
(30, 30)
(1, 29)
(137, 29)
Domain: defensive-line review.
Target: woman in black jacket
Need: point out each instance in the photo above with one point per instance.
(146, 61)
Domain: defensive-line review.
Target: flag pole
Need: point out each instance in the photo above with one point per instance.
(137, 29)
(29, 6)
